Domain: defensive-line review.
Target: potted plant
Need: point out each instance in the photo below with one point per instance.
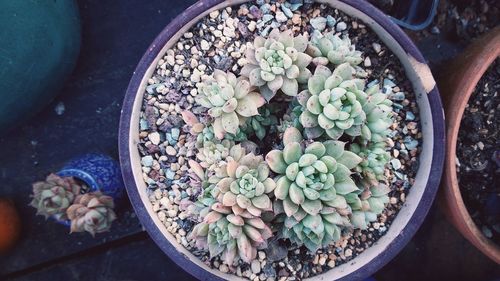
(81, 195)
(462, 86)
(271, 139)
(10, 225)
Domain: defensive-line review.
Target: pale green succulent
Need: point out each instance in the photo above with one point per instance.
(231, 236)
(378, 110)
(332, 104)
(231, 206)
(208, 135)
(230, 101)
(313, 185)
(368, 204)
(212, 153)
(277, 63)
(331, 48)
(375, 158)
(260, 124)
(53, 196)
(244, 185)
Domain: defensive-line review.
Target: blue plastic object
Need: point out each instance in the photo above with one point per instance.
(414, 14)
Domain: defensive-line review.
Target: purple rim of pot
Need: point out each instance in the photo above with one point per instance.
(393, 248)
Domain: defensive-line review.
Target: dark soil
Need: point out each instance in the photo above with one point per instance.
(478, 153)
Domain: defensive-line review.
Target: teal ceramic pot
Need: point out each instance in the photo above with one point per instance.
(39, 45)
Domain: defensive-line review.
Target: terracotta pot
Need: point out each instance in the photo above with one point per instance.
(457, 86)
(418, 201)
(10, 225)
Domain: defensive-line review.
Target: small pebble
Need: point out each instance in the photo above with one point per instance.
(318, 23)
(255, 265)
(154, 138)
(341, 26)
(171, 151)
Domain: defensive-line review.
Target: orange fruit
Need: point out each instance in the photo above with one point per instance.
(10, 225)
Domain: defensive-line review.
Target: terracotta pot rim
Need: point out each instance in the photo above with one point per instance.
(434, 148)
(477, 64)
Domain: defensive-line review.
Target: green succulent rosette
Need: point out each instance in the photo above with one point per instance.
(375, 158)
(331, 104)
(330, 48)
(313, 188)
(234, 237)
(261, 124)
(230, 101)
(277, 63)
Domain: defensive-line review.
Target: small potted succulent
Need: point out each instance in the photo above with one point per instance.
(272, 140)
(81, 194)
(470, 195)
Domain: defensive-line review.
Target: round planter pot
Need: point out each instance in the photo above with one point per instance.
(29, 80)
(99, 172)
(457, 86)
(418, 201)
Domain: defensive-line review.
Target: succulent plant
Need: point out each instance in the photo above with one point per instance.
(208, 135)
(54, 195)
(231, 206)
(313, 188)
(91, 212)
(278, 62)
(331, 103)
(378, 110)
(259, 124)
(368, 204)
(375, 157)
(230, 101)
(231, 236)
(211, 153)
(244, 184)
(331, 48)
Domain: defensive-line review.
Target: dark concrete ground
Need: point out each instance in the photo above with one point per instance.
(115, 35)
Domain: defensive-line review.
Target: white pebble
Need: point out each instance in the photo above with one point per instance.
(154, 138)
(255, 266)
(171, 151)
(204, 45)
(341, 26)
(368, 62)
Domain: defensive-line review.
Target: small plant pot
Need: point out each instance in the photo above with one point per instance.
(99, 173)
(457, 86)
(410, 216)
(10, 225)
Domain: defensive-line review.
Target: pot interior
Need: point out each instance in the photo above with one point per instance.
(422, 82)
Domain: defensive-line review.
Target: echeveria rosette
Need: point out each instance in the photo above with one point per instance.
(375, 158)
(53, 196)
(368, 205)
(229, 100)
(231, 236)
(331, 48)
(260, 124)
(311, 188)
(92, 212)
(211, 153)
(277, 63)
(332, 104)
(378, 110)
(244, 185)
